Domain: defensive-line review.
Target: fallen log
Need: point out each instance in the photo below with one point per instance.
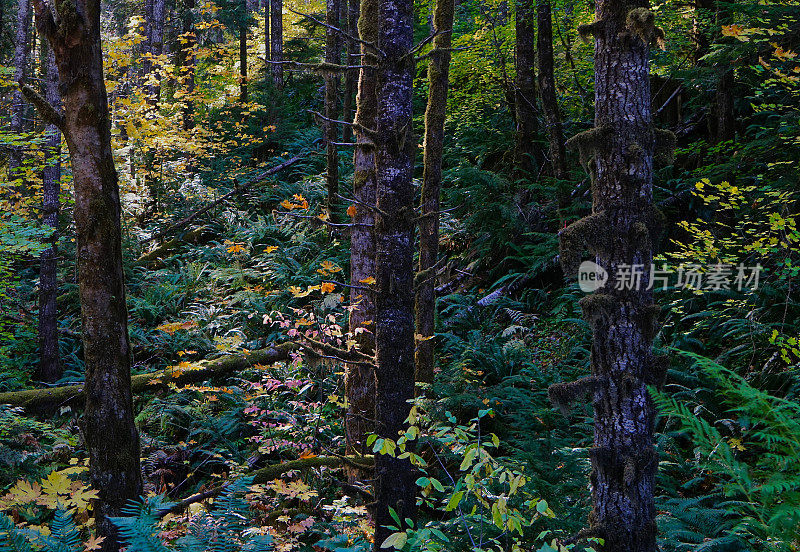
(237, 190)
(155, 257)
(268, 473)
(199, 371)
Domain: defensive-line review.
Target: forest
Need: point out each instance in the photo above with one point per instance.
(410, 275)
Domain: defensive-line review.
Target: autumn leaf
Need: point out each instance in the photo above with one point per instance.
(236, 248)
(736, 31)
(93, 543)
(327, 287)
(56, 483)
(172, 327)
(270, 249)
(24, 492)
(369, 281)
(82, 497)
(351, 211)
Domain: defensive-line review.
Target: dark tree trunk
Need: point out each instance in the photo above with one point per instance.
(351, 58)
(547, 89)
(21, 49)
(155, 15)
(186, 63)
(276, 38)
(243, 55)
(49, 369)
(108, 426)
(333, 56)
(267, 44)
(438, 79)
(360, 378)
(395, 485)
(525, 87)
(620, 152)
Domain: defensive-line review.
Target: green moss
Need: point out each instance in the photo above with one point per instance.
(579, 235)
(598, 306)
(564, 395)
(664, 154)
(589, 142)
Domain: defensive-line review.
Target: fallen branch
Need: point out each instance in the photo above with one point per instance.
(200, 371)
(155, 257)
(237, 190)
(269, 473)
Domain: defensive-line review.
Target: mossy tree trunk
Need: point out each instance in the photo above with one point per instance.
(21, 51)
(525, 87)
(395, 485)
(619, 233)
(108, 422)
(49, 368)
(438, 79)
(333, 56)
(547, 89)
(276, 41)
(360, 378)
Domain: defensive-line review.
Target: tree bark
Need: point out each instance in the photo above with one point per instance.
(438, 79)
(525, 87)
(360, 378)
(619, 152)
(49, 368)
(186, 63)
(332, 56)
(21, 60)
(267, 44)
(395, 485)
(351, 58)
(276, 38)
(155, 15)
(547, 89)
(243, 54)
(108, 423)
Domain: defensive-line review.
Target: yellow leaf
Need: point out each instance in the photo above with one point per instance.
(328, 287)
(56, 483)
(93, 543)
(369, 281)
(351, 210)
(25, 491)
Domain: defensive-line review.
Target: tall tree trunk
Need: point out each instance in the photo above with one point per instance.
(394, 247)
(108, 425)
(525, 86)
(334, 57)
(547, 89)
(619, 232)
(360, 378)
(243, 54)
(155, 15)
(186, 58)
(351, 58)
(49, 368)
(21, 49)
(276, 37)
(267, 44)
(438, 79)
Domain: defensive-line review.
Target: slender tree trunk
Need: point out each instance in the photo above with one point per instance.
(276, 37)
(334, 57)
(395, 485)
(108, 425)
(156, 12)
(360, 378)
(547, 89)
(49, 369)
(620, 231)
(186, 56)
(21, 49)
(243, 55)
(267, 44)
(438, 79)
(525, 86)
(351, 58)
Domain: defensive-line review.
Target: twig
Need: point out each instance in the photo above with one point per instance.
(371, 45)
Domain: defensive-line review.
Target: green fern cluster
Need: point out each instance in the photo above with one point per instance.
(64, 536)
(224, 529)
(748, 446)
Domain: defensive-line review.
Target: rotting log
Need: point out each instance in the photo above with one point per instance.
(199, 371)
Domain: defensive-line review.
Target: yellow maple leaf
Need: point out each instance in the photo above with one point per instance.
(24, 492)
(82, 497)
(271, 248)
(368, 281)
(56, 483)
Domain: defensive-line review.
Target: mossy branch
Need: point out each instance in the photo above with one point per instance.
(46, 110)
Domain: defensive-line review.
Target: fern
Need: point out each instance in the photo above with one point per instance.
(12, 539)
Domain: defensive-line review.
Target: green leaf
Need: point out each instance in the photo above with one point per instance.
(396, 540)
